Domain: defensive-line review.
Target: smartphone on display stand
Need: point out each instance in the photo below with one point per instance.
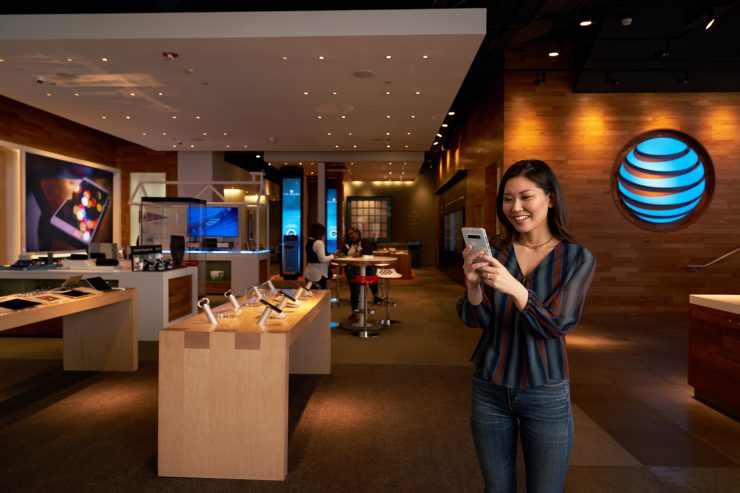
(267, 303)
(80, 215)
(479, 239)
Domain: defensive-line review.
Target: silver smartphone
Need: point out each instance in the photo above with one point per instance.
(80, 215)
(479, 239)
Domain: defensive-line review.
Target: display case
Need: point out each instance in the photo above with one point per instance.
(165, 217)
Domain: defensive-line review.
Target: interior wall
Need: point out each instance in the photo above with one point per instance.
(580, 135)
(24, 125)
(414, 213)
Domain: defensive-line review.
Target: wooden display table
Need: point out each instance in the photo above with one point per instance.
(223, 390)
(714, 350)
(99, 329)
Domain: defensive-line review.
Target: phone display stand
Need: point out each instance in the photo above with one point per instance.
(281, 306)
(268, 312)
(232, 299)
(306, 292)
(254, 300)
(271, 287)
(205, 304)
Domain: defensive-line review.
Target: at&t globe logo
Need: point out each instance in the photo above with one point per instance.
(662, 180)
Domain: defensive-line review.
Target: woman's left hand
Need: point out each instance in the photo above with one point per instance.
(495, 275)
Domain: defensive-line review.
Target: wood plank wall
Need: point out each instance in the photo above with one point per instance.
(27, 126)
(638, 272)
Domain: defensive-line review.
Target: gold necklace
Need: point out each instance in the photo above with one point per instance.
(534, 247)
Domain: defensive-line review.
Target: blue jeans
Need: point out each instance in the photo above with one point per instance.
(542, 418)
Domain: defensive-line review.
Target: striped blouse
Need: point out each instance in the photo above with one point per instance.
(526, 349)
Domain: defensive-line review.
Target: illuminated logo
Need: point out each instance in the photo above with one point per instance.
(662, 180)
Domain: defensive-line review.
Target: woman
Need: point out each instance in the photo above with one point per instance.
(525, 297)
(317, 260)
(356, 246)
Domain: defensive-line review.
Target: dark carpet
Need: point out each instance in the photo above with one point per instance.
(364, 428)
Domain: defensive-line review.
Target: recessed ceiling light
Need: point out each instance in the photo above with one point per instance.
(553, 53)
(350, 133)
(284, 57)
(164, 133)
(77, 94)
(143, 133)
(174, 145)
(197, 117)
(451, 113)
(413, 116)
(387, 116)
(192, 145)
(354, 147)
(439, 135)
(245, 146)
(48, 94)
(435, 143)
(205, 133)
(328, 133)
(258, 155)
(69, 59)
(408, 133)
(305, 93)
(132, 94)
(344, 117)
(228, 146)
(104, 59)
(336, 147)
(388, 57)
(128, 117)
(406, 147)
(388, 146)
(321, 57)
(104, 117)
(387, 93)
(174, 117)
(387, 133)
(225, 134)
(160, 94)
(585, 22)
(334, 93)
(319, 117)
(444, 125)
(417, 92)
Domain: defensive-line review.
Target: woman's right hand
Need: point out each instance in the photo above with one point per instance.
(470, 267)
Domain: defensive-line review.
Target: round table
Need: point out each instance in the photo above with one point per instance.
(363, 262)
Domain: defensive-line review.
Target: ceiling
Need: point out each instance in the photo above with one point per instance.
(184, 78)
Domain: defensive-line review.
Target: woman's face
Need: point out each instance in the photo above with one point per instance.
(526, 205)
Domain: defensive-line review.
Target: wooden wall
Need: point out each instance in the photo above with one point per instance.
(27, 126)
(638, 272)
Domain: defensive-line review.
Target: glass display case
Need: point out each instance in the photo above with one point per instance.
(168, 221)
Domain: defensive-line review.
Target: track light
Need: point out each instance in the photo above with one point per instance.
(684, 79)
(710, 20)
(585, 22)
(609, 79)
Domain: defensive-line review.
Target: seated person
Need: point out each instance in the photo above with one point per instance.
(357, 247)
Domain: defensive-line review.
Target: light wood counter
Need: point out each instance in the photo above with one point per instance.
(99, 330)
(223, 390)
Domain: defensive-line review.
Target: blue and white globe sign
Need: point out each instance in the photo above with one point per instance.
(662, 180)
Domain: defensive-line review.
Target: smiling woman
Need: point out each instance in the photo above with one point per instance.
(525, 297)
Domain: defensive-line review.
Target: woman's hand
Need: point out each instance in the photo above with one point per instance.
(471, 268)
(498, 277)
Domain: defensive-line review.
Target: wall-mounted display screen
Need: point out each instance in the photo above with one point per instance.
(331, 219)
(291, 225)
(213, 221)
(68, 205)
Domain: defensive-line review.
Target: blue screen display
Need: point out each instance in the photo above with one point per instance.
(214, 221)
(331, 219)
(292, 216)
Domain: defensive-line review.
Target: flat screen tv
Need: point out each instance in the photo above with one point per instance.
(68, 205)
(213, 221)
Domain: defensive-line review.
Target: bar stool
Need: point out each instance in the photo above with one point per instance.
(386, 275)
(336, 281)
(365, 281)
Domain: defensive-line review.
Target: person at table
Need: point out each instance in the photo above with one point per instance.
(356, 246)
(317, 259)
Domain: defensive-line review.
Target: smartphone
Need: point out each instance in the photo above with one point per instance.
(267, 303)
(286, 295)
(79, 216)
(479, 239)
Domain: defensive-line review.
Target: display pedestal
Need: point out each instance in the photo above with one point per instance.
(223, 389)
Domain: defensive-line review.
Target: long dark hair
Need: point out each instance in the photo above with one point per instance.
(316, 231)
(541, 174)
